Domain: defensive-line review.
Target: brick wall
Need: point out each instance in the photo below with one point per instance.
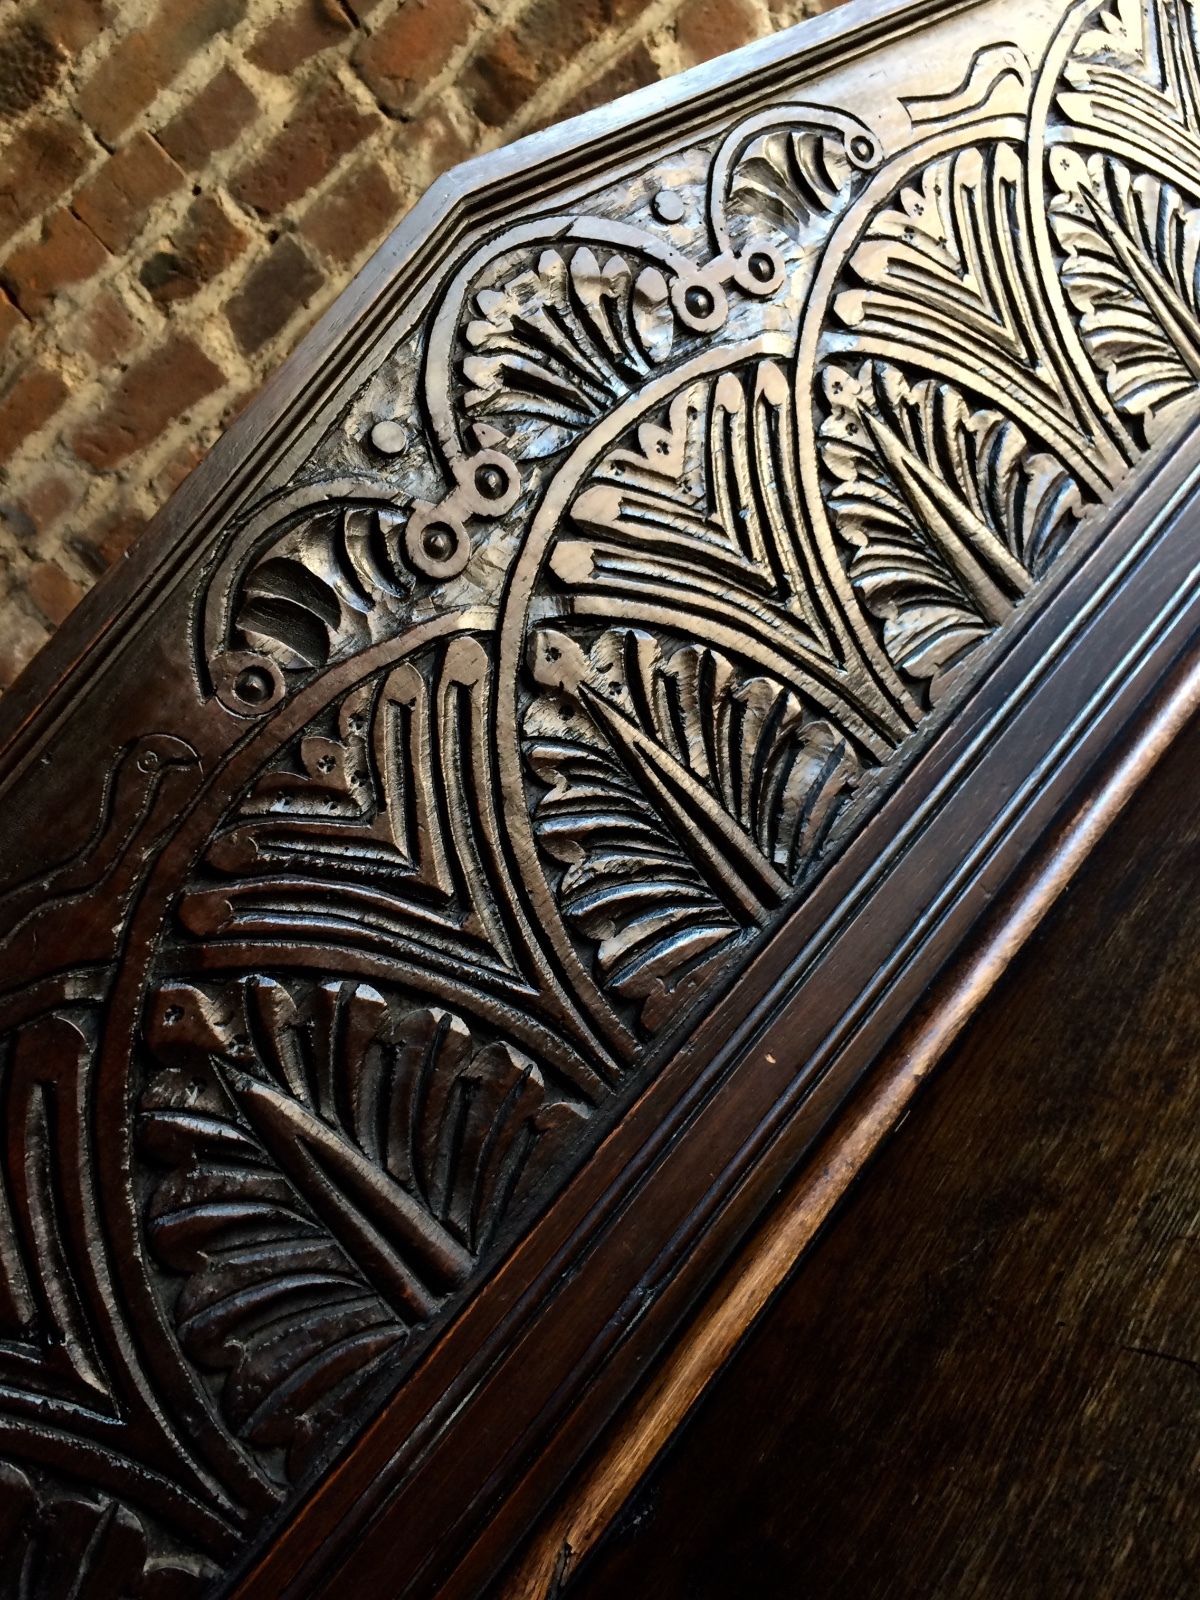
(186, 184)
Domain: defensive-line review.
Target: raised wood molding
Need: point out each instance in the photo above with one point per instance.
(461, 867)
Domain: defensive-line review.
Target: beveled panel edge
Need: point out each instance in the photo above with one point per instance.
(595, 1501)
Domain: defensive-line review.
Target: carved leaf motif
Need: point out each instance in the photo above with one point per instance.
(948, 510)
(55, 1544)
(363, 827)
(1132, 89)
(712, 486)
(335, 1161)
(698, 523)
(1117, 34)
(939, 251)
(951, 286)
(683, 798)
(563, 343)
(1132, 270)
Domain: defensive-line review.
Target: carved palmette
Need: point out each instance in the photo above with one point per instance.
(570, 656)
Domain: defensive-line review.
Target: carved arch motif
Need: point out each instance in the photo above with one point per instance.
(558, 674)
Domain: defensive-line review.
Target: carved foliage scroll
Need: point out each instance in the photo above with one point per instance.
(557, 673)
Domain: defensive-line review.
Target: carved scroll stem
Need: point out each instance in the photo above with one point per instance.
(474, 824)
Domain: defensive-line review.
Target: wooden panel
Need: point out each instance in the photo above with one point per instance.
(984, 1380)
(463, 862)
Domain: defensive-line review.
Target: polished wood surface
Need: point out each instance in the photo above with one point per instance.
(475, 854)
(985, 1381)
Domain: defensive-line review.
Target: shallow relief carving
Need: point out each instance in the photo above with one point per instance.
(557, 675)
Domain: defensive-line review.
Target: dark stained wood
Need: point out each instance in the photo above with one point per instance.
(985, 1380)
(462, 867)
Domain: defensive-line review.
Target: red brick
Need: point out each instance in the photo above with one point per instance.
(438, 141)
(323, 129)
(501, 79)
(43, 159)
(10, 318)
(105, 330)
(358, 211)
(273, 292)
(20, 640)
(107, 541)
(205, 243)
(509, 71)
(66, 253)
(708, 28)
(52, 591)
(27, 405)
(131, 74)
(30, 65)
(634, 70)
(49, 500)
(414, 45)
(115, 202)
(222, 110)
(72, 24)
(151, 394)
(297, 34)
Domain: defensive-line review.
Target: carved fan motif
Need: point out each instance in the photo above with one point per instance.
(326, 588)
(560, 345)
(526, 706)
(790, 173)
(335, 1163)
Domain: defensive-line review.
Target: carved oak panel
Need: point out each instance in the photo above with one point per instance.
(603, 567)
